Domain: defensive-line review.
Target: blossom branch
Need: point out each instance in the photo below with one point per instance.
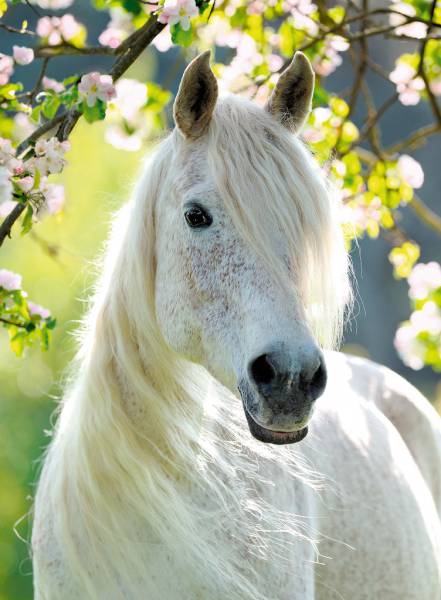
(426, 214)
(133, 47)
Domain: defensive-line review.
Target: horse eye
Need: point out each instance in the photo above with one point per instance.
(196, 216)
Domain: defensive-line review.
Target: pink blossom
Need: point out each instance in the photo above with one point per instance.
(411, 171)
(54, 197)
(120, 138)
(427, 319)
(25, 183)
(111, 37)
(7, 155)
(178, 11)
(329, 60)
(23, 126)
(57, 29)
(275, 62)
(408, 85)
(36, 309)
(257, 7)
(23, 55)
(162, 42)
(5, 186)
(424, 279)
(95, 86)
(6, 68)
(402, 73)
(415, 29)
(312, 135)
(49, 155)
(411, 350)
(10, 281)
(52, 84)
(118, 28)
(131, 96)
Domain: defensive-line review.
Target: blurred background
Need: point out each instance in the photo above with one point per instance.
(57, 264)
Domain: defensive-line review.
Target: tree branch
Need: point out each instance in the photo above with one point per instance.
(415, 139)
(66, 49)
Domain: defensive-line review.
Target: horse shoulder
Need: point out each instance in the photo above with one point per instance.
(409, 411)
(376, 514)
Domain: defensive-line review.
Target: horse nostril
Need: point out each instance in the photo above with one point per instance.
(318, 381)
(262, 371)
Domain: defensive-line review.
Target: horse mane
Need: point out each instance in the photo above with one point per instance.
(145, 438)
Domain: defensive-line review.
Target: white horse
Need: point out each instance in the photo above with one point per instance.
(223, 277)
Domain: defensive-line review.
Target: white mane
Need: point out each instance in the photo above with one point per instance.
(142, 432)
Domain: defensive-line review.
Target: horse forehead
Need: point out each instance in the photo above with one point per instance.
(192, 167)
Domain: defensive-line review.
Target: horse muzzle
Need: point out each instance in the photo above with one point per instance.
(279, 392)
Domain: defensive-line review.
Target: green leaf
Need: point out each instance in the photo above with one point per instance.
(93, 113)
(35, 114)
(26, 224)
(132, 6)
(50, 106)
(17, 342)
(51, 323)
(181, 37)
(239, 18)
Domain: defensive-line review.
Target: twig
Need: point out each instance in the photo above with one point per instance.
(16, 30)
(7, 322)
(376, 115)
(37, 86)
(426, 214)
(415, 139)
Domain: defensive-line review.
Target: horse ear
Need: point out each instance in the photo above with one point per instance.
(291, 99)
(196, 97)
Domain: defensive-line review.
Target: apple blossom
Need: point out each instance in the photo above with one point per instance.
(411, 171)
(54, 197)
(118, 28)
(95, 86)
(36, 309)
(424, 279)
(52, 84)
(411, 350)
(6, 68)
(163, 42)
(23, 126)
(5, 185)
(178, 11)
(7, 155)
(57, 29)
(23, 55)
(25, 183)
(9, 281)
(414, 29)
(49, 155)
